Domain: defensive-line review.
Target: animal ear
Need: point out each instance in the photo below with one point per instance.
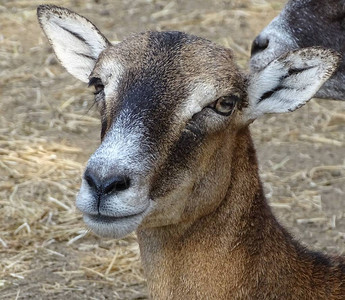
(290, 81)
(76, 41)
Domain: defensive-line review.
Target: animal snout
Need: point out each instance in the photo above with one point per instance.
(259, 44)
(110, 185)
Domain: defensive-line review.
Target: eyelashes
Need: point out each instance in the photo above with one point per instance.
(225, 105)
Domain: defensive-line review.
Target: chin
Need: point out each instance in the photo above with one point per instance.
(113, 227)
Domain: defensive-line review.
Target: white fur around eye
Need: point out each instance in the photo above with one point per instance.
(113, 71)
(201, 95)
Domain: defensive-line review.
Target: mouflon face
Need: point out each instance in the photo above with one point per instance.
(158, 108)
(171, 106)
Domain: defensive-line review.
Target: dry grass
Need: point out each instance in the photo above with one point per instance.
(47, 133)
(38, 212)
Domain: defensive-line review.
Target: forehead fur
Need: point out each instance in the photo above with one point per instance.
(179, 54)
(152, 76)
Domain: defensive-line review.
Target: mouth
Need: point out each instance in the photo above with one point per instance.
(115, 227)
(109, 219)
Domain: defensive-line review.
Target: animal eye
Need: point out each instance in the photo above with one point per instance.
(225, 105)
(97, 83)
(98, 88)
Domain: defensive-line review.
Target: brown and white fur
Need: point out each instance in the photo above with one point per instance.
(177, 163)
(305, 23)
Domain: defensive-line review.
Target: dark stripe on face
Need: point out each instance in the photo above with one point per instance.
(104, 119)
(146, 100)
(182, 153)
(166, 42)
(190, 139)
(104, 128)
(149, 93)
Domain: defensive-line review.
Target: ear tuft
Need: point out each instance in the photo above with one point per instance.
(290, 81)
(76, 41)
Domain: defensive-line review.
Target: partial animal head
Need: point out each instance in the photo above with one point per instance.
(304, 23)
(171, 106)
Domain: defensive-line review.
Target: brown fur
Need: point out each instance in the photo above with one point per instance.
(238, 251)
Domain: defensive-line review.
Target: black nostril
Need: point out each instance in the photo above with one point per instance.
(259, 44)
(101, 187)
(92, 180)
(116, 184)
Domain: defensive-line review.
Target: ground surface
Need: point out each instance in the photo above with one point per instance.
(47, 133)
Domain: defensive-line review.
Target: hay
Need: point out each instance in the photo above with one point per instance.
(41, 184)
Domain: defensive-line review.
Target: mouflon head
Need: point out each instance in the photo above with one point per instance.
(171, 106)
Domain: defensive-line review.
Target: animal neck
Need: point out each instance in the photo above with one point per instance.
(190, 258)
(238, 251)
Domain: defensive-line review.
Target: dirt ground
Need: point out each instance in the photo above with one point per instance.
(48, 130)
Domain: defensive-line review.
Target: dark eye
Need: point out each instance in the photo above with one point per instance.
(225, 105)
(98, 88)
(97, 83)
